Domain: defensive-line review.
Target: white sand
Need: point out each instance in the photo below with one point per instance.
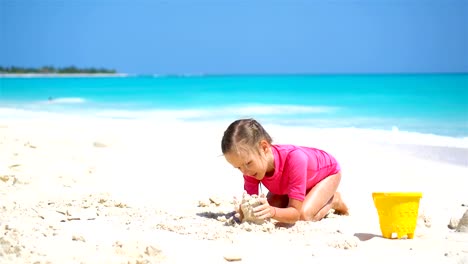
(78, 190)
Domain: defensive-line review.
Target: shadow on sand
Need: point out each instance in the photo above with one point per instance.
(366, 236)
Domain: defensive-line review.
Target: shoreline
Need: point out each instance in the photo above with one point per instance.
(383, 137)
(379, 135)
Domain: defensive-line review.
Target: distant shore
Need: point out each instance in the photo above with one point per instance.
(54, 75)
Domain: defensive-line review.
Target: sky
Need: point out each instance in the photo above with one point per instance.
(237, 36)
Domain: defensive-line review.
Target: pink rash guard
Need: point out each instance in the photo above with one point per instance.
(297, 170)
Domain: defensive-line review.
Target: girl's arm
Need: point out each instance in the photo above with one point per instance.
(291, 214)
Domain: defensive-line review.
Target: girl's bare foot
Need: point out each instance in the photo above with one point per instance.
(338, 205)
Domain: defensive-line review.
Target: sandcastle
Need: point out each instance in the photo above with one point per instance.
(249, 202)
(459, 224)
(463, 223)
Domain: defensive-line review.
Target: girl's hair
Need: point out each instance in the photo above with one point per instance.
(246, 132)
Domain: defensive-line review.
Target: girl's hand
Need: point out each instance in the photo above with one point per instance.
(264, 210)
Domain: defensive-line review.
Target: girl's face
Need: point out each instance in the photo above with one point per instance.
(253, 162)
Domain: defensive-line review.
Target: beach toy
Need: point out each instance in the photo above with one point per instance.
(398, 213)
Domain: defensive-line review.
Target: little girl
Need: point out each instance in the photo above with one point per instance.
(302, 181)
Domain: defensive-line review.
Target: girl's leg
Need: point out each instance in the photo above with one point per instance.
(276, 200)
(323, 197)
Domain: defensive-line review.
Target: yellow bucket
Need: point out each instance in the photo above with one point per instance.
(398, 213)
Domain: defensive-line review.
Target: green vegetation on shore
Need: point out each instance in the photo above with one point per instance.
(53, 70)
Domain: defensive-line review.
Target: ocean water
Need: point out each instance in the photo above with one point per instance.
(426, 103)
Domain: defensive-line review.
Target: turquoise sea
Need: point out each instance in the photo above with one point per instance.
(426, 103)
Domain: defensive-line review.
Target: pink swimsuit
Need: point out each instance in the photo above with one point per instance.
(297, 170)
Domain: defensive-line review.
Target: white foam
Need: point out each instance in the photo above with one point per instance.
(283, 132)
(216, 113)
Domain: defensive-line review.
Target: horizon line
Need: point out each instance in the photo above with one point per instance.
(188, 75)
